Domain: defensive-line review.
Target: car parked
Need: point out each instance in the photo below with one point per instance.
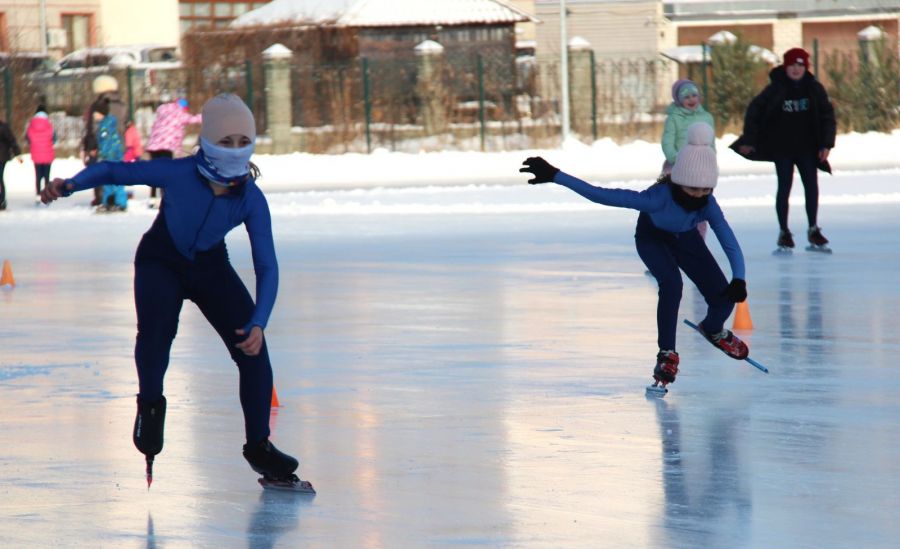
(24, 62)
(154, 70)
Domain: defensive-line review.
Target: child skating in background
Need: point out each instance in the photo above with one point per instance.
(686, 109)
(791, 123)
(167, 134)
(109, 148)
(134, 148)
(183, 256)
(41, 137)
(668, 242)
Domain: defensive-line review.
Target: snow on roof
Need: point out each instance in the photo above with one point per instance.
(694, 54)
(383, 13)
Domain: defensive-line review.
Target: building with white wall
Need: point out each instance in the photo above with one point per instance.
(76, 24)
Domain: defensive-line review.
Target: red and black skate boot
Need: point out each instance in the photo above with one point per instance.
(666, 367)
(816, 238)
(729, 344)
(785, 239)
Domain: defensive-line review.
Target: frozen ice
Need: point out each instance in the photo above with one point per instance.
(463, 366)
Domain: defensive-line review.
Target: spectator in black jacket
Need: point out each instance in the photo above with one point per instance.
(9, 148)
(791, 123)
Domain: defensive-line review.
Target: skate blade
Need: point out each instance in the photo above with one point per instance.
(820, 249)
(656, 391)
(300, 486)
(782, 250)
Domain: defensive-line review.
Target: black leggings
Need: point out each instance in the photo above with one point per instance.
(41, 172)
(784, 169)
(2, 184)
(163, 279)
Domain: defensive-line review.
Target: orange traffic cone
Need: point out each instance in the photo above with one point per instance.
(6, 279)
(275, 403)
(742, 320)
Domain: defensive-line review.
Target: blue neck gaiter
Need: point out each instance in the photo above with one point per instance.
(224, 166)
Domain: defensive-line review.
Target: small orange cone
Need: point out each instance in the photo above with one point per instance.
(742, 320)
(275, 403)
(7, 277)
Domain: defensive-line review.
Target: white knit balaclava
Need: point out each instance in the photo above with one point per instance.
(696, 165)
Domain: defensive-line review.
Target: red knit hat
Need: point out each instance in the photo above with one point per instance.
(796, 56)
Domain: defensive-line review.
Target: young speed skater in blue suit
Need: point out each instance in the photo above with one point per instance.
(668, 242)
(183, 256)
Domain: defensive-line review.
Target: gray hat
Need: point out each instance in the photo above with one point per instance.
(226, 114)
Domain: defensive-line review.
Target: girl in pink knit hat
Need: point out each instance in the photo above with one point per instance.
(668, 242)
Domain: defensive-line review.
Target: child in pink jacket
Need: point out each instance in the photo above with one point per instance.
(167, 133)
(41, 137)
(134, 149)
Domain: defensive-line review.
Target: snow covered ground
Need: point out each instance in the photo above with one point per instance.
(464, 364)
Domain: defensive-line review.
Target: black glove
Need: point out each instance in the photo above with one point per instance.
(542, 170)
(736, 290)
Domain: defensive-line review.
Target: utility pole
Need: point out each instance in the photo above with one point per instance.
(564, 70)
(43, 16)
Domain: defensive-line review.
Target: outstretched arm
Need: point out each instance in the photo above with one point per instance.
(544, 172)
(152, 174)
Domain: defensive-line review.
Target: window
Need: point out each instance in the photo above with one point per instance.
(217, 14)
(78, 31)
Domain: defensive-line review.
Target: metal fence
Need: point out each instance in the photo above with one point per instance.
(463, 102)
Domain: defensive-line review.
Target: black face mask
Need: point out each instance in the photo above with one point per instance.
(686, 201)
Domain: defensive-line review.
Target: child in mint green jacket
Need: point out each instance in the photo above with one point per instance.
(684, 111)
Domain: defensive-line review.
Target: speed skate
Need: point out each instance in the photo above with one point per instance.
(289, 484)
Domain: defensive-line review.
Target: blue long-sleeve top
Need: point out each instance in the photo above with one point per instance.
(197, 219)
(664, 212)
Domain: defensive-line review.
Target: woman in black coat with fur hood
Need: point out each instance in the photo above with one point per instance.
(791, 123)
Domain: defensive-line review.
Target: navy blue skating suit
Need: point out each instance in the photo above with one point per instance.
(183, 256)
(667, 240)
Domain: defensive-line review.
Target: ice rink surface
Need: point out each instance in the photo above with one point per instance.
(463, 366)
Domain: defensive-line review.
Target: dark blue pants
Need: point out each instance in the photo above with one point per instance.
(666, 254)
(163, 279)
(41, 174)
(784, 169)
(2, 183)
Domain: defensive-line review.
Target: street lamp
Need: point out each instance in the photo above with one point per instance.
(43, 18)
(564, 70)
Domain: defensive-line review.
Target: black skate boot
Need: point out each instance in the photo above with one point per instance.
(148, 426)
(148, 431)
(269, 461)
(817, 241)
(276, 467)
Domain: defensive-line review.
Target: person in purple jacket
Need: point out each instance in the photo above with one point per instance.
(667, 241)
(183, 256)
